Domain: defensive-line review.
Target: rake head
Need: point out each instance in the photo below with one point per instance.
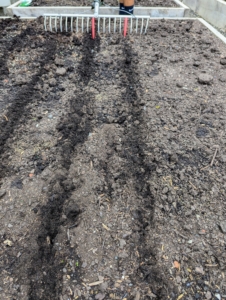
(96, 24)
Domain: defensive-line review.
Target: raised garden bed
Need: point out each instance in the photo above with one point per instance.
(107, 186)
(35, 11)
(214, 11)
(150, 3)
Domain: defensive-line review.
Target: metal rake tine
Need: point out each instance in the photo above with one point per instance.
(61, 23)
(76, 24)
(104, 20)
(50, 23)
(55, 24)
(142, 24)
(136, 24)
(87, 25)
(66, 24)
(109, 29)
(120, 25)
(115, 24)
(45, 23)
(98, 25)
(71, 24)
(82, 24)
(146, 26)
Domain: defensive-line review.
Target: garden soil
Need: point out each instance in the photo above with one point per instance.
(150, 3)
(112, 164)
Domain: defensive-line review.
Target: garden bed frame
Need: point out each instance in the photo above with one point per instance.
(163, 12)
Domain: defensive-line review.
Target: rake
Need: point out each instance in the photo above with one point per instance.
(96, 22)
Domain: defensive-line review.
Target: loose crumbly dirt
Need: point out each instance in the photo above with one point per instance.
(151, 3)
(111, 184)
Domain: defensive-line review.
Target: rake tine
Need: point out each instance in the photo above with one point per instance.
(136, 25)
(71, 24)
(50, 23)
(142, 24)
(55, 24)
(45, 24)
(131, 25)
(66, 24)
(82, 24)
(147, 22)
(98, 25)
(104, 23)
(87, 25)
(114, 25)
(61, 23)
(120, 25)
(76, 24)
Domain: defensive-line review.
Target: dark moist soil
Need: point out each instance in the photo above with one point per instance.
(150, 3)
(111, 184)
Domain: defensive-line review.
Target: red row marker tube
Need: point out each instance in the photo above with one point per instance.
(93, 28)
(125, 26)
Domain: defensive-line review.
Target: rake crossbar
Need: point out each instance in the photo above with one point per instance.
(104, 23)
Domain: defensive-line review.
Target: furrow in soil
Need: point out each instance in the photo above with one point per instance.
(18, 111)
(74, 130)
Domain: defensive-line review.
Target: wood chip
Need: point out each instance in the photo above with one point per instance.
(6, 118)
(8, 243)
(105, 227)
(176, 264)
(95, 283)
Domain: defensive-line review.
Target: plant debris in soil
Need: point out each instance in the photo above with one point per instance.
(112, 163)
(150, 3)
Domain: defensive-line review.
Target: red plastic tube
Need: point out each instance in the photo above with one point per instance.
(93, 28)
(125, 26)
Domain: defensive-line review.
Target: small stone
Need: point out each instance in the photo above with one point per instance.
(103, 286)
(178, 279)
(50, 116)
(188, 284)
(179, 84)
(52, 82)
(100, 296)
(20, 80)
(222, 78)
(64, 270)
(136, 122)
(199, 270)
(84, 264)
(205, 79)
(218, 296)
(61, 71)
(122, 243)
(208, 295)
(223, 61)
(59, 62)
(223, 226)
(123, 254)
(197, 63)
(165, 190)
(10, 225)
(2, 193)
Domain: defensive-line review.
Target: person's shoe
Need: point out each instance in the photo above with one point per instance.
(126, 10)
